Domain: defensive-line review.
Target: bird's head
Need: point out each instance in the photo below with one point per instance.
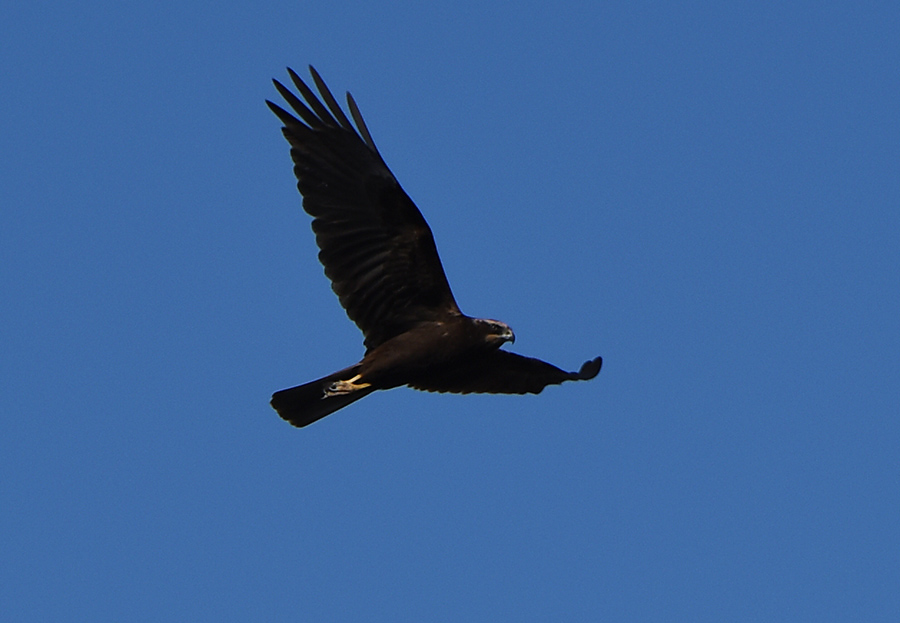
(496, 332)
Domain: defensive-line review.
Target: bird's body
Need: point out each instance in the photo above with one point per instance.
(380, 255)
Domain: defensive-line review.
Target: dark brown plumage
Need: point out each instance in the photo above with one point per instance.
(381, 258)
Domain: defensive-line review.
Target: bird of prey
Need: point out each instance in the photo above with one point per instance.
(380, 256)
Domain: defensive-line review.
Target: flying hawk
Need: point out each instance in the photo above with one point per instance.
(381, 258)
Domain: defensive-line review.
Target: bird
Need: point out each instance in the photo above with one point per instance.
(380, 255)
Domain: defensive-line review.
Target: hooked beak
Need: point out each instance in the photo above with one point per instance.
(506, 336)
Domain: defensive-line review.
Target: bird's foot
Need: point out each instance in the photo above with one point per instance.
(339, 388)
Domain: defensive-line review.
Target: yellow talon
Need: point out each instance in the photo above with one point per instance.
(339, 388)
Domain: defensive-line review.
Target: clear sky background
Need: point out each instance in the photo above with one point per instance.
(706, 194)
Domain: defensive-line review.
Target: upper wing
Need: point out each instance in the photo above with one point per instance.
(502, 372)
(375, 245)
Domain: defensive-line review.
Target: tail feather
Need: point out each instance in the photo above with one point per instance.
(304, 404)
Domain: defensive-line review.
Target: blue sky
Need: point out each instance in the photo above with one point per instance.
(705, 194)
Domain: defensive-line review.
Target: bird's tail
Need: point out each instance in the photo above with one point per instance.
(304, 404)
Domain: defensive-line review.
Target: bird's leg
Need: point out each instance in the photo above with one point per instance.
(339, 388)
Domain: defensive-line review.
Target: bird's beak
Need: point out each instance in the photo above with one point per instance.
(506, 336)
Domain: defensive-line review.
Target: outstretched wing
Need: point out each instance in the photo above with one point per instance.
(374, 243)
(502, 372)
